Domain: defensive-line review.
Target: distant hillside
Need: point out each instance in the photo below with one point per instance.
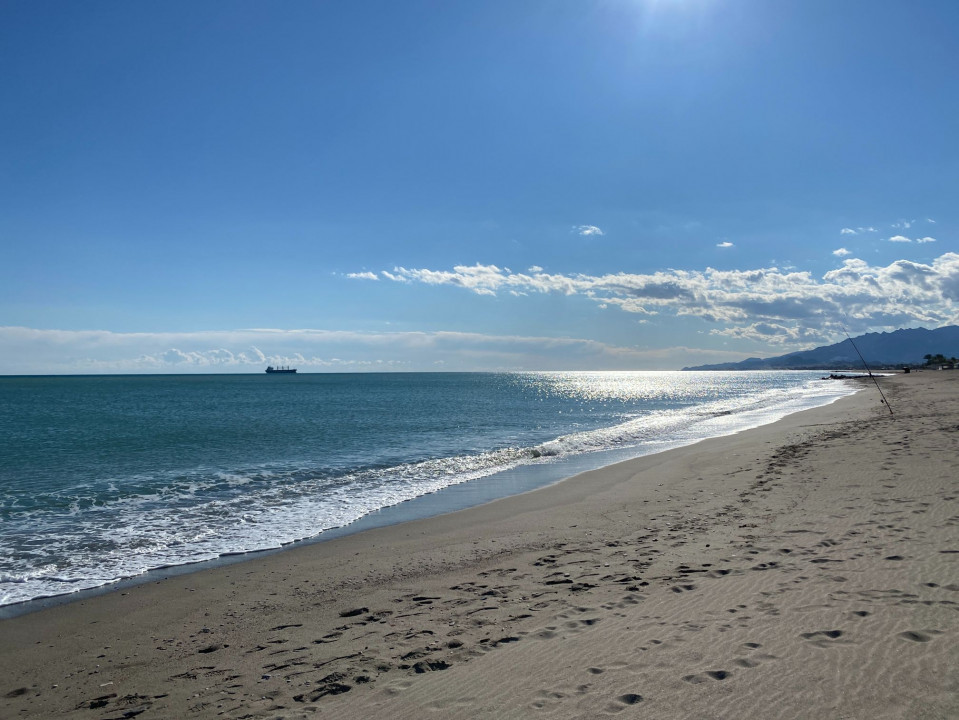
(901, 347)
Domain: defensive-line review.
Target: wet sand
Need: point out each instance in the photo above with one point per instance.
(805, 569)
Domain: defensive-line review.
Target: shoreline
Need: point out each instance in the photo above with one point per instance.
(452, 498)
(809, 565)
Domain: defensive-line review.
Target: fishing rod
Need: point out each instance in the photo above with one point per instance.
(884, 401)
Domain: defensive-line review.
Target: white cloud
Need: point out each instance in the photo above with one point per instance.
(847, 231)
(362, 276)
(765, 306)
(903, 224)
(930, 220)
(926, 240)
(899, 239)
(724, 244)
(746, 303)
(588, 230)
(841, 252)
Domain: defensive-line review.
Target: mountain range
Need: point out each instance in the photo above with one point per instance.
(897, 348)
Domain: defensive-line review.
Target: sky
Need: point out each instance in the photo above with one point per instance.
(210, 186)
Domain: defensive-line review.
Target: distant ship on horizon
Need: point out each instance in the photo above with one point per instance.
(281, 370)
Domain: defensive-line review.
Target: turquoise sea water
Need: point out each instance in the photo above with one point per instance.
(103, 478)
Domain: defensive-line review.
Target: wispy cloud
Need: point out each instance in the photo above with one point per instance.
(841, 252)
(904, 239)
(856, 231)
(724, 244)
(588, 230)
(747, 303)
(363, 276)
(68, 351)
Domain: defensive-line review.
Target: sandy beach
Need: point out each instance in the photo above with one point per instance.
(805, 569)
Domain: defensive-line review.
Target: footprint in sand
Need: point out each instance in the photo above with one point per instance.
(831, 634)
(353, 612)
(824, 638)
(623, 702)
(917, 636)
(331, 637)
(330, 685)
(547, 697)
(706, 676)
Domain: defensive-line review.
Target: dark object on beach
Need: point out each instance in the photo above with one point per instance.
(835, 376)
(281, 370)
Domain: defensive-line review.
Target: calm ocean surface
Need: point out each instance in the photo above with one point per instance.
(103, 478)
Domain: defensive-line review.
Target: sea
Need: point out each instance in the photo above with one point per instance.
(107, 478)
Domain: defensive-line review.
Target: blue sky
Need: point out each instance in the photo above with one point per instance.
(523, 184)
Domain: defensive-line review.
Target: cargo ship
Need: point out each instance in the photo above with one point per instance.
(281, 370)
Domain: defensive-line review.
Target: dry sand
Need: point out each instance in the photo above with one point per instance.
(805, 569)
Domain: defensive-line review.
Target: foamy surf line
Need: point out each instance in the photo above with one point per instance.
(149, 546)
